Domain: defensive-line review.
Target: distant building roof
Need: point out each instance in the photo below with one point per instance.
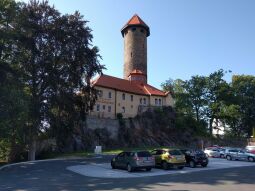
(139, 72)
(136, 21)
(127, 86)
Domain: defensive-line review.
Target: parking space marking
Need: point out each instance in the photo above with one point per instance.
(104, 170)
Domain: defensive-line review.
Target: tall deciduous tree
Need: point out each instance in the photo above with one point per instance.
(55, 61)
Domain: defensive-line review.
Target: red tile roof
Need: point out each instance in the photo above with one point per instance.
(137, 72)
(136, 21)
(127, 86)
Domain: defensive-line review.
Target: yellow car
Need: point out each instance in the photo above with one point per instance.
(167, 158)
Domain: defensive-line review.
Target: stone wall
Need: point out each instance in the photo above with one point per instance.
(111, 125)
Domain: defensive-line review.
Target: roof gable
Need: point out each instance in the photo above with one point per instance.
(127, 86)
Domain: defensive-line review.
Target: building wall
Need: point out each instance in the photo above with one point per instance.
(128, 107)
(104, 102)
(124, 103)
(135, 50)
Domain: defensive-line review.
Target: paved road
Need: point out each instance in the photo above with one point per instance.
(53, 175)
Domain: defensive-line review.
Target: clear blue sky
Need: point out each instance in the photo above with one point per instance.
(188, 37)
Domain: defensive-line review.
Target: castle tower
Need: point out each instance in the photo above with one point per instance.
(135, 34)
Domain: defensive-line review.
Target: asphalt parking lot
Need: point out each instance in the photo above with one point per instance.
(104, 170)
(60, 175)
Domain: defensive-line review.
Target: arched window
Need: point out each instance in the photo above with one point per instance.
(123, 96)
(156, 101)
(159, 101)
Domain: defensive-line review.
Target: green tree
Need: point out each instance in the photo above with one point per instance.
(244, 92)
(53, 61)
(217, 94)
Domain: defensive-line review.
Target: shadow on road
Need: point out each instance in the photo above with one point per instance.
(54, 176)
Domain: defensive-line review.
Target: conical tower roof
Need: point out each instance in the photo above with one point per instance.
(136, 21)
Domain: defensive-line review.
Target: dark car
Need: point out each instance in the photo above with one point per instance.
(132, 160)
(195, 157)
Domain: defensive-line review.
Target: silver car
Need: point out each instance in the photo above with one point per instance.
(212, 152)
(236, 154)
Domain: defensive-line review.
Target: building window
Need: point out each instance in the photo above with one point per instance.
(142, 31)
(144, 101)
(132, 97)
(123, 109)
(133, 29)
(103, 107)
(123, 96)
(131, 106)
(141, 101)
(159, 101)
(110, 95)
(109, 108)
(98, 107)
(100, 93)
(156, 101)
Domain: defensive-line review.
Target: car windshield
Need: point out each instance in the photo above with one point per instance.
(175, 152)
(198, 152)
(143, 154)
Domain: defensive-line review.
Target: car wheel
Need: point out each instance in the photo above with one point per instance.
(165, 165)
(180, 167)
(148, 169)
(129, 168)
(229, 157)
(192, 164)
(204, 165)
(221, 156)
(113, 165)
(250, 159)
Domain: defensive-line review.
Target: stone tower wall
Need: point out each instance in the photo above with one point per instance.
(135, 50)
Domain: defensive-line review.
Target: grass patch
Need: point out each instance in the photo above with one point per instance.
(2, 162)
(90, 154)
(64, 155)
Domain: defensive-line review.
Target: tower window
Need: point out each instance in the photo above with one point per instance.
(132, 97)
(123, 96)
(100, 93)
(133, 29)
(142, 31)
